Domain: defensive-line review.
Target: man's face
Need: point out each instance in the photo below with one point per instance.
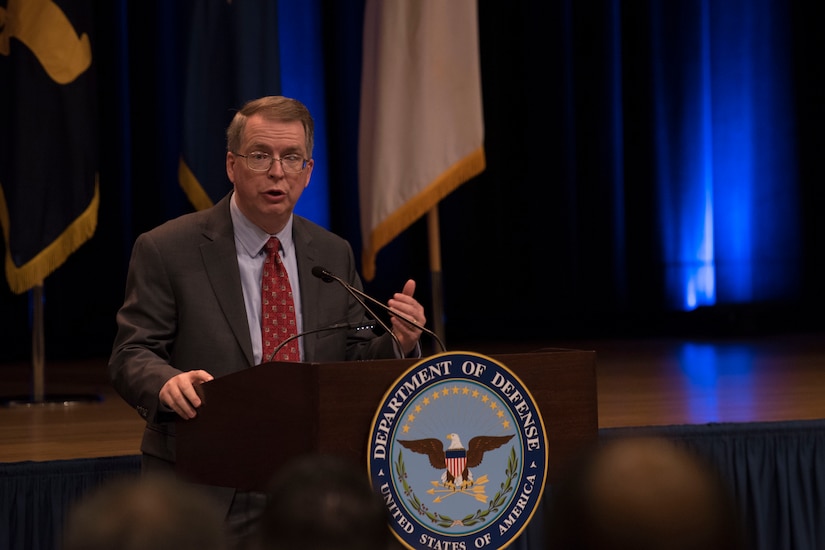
(268, 198)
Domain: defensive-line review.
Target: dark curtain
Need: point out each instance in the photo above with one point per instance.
(772, 470)
(566, 232)
(35, 497)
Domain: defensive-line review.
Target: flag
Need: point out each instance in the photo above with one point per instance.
(231, 57)
(240, 50)
(49, 193)
(421, 129)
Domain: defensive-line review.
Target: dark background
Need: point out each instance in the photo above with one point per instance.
(544, 245)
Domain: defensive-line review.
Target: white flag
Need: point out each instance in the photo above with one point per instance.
(421, 129)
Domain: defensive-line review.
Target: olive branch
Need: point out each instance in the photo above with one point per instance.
(496, 502)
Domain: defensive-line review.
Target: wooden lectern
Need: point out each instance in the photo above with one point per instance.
(253, 421)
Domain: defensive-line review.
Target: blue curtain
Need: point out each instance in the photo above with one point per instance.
(724, 151)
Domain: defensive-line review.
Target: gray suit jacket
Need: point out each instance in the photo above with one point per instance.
(184, 310)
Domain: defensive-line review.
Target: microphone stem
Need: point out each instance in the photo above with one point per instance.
(361, 326)
(282, 344)
(377, 318)
(393, 313)
(358, 294)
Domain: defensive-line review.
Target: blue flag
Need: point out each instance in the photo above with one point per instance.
(48, 137)
(232, 57)
(242, 50)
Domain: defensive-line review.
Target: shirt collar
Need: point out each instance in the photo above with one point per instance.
(251, 237)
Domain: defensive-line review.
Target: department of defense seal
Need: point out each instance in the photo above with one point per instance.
(458, 451)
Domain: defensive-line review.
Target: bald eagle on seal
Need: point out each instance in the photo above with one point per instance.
(456, 461)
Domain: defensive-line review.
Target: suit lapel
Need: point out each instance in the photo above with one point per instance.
(218, 246)
(307, 256)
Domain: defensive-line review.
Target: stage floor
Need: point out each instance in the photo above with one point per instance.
(640, 382)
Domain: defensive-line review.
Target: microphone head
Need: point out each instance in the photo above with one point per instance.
(322, 274)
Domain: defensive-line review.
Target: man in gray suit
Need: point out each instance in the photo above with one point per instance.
(192, 307)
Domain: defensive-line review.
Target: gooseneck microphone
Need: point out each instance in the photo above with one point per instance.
(337, 326)
(328, 277)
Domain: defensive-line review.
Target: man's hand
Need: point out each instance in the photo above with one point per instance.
(404, 304)
(179, 394)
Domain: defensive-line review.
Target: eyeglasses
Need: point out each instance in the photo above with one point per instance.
(261, 162)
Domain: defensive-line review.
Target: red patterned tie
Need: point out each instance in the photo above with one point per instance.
(277, 308)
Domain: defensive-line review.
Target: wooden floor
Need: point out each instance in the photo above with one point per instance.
(640, 383)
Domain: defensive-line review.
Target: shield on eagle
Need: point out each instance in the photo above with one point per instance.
(456, 460)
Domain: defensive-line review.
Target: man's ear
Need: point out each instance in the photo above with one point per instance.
(310, 164)
(230, 166)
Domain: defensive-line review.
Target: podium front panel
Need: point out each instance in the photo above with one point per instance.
(255, 420)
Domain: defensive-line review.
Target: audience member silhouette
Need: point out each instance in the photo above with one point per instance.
(144, 513)
(643, 493)
(324, 502)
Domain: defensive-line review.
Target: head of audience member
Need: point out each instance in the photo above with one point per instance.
(143, 512)
(324, 502)
(643, 493)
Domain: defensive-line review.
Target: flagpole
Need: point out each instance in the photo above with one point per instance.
(38, 392)
(433, 232)
(38, 339)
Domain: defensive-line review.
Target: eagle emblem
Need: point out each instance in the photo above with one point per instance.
(478, 486)
(456, 460)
